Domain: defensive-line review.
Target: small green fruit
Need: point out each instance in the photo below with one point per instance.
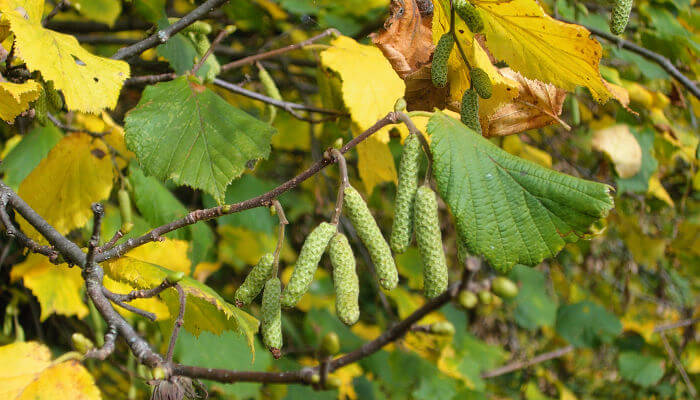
(485, 297)
(443, 328)
(467, 299)
(504, 287)
(330, 344)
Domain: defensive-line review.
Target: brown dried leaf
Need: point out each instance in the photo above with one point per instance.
(406, 39)
(538, 104)
(421, 94)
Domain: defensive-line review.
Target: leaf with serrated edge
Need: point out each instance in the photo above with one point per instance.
(509, 209)
(89, 83)
(15, 98)
(183, 131)
(205, 309)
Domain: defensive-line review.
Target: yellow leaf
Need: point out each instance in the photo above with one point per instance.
(15, 98)
(375, 163)
(504, 89)
(9, 145)
(657, 190)
(691, 358)
(76, 173)
(115, 133)
(170, 254)
(153, 305)
(89, 83)
(645, 249)
(622, 147)
(644, 328)
(346, 375)
(204, 269)
(20, 364)
(540, 47)
(369, 84)
(67, 380)
(370, 87)
(241, 246)
(57, 287)
(515, 146)
(34, 9)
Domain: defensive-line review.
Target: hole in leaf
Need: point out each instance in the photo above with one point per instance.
(95, 79)
(78, 61)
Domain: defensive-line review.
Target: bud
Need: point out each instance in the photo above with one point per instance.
(81, 344)
(443, 328)
(175, 276)
(330, 344)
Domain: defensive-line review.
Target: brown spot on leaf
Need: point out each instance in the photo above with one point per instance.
(98, 153)
(197, 87)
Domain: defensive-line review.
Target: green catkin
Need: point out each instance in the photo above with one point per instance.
(371, 236)
(271, 326)
(271, 90)
(405, 194)
(438, 70)
(345, 281)
(201, 43)
(309, 257)
(481, 83)
(620, 15)
(254, 282)
(125, 210)
(467, 12)
(469, 112)
(429, 242)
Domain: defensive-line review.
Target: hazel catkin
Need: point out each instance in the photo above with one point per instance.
(309, 257)
(402, 229)
(345, 281)
(254, 282)
(429, 241)
(371, 237)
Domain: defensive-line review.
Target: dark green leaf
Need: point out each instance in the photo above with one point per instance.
(508, 209)
(534, 307)
(640, 369)
(183, 131)
(586, 324)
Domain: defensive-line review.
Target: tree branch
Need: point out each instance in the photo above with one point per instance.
(506, 369)
(275, 52)
(664, 62)
(285, 105)
(163, 35)
(259, 201)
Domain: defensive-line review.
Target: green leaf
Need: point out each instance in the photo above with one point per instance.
(224, 351)
(587, 324)
(150, 10)
(508, 209)
(28, 153)
(534, 307)
(205, 310)
(640, 182)
(183, 131)
(640, 369)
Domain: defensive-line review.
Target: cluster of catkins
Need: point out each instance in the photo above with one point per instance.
(416, 212)
(480, 83)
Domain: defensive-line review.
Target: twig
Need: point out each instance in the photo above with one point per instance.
(182, 297)
(527, 363)
(280, 235)
(150, 79)
(679, 366)
(674, 325)
(99, 212)
(163, 35)
(115, 299)
(342, 166)
(60, 6)
(261, 200)
(118, 235)
(13, 233)
(664, 62)
(107, 348)
(271, 53)
(67, 128)
(144, 293)
(285, 105)
(210, 50)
